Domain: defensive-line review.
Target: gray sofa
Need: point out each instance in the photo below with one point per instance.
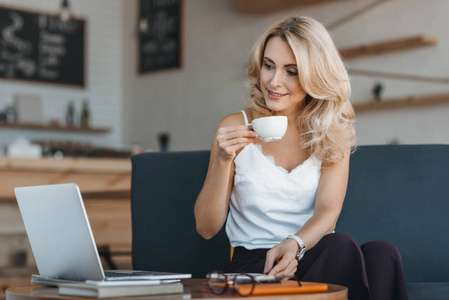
(396, 193)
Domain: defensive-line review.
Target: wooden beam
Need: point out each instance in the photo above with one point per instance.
(352, 71)
(410, 101)
(259, 7)
(388, 46)
(355, 14)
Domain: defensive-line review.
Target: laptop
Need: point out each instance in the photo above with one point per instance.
(61, 238)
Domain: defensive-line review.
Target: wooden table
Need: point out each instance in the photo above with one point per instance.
(192, 290)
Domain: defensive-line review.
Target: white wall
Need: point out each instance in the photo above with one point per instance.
(104, 76)
(189, 102)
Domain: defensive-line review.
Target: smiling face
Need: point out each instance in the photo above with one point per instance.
(279, 80)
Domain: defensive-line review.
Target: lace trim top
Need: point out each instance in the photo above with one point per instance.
(268, 202)
(272, 160)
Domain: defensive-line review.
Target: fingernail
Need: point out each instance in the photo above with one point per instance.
(265, 270)
(254, 134)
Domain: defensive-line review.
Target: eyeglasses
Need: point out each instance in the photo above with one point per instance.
(243, 284)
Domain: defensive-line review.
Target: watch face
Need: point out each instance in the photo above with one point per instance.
(300, 253)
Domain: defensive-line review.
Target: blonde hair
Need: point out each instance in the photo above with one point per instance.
(327, 120)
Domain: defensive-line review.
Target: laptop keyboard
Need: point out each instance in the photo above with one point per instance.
(118, 274)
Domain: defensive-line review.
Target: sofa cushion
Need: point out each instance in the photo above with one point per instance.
(428, 290)
(164, 189)
(397, 193)
(400, 193)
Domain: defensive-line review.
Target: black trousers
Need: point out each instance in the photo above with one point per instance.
(372, 271)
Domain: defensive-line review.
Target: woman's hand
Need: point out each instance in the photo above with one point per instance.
(284, 254)
(230, 139)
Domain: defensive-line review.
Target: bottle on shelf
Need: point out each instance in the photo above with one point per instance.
(70, 115)
(85, 115)
(10, 113)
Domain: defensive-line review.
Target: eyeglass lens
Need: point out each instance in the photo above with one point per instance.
(218, 283)
(244, 284)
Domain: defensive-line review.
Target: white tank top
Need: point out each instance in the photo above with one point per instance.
(267, 202)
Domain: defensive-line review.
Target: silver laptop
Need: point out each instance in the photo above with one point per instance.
(61, 238)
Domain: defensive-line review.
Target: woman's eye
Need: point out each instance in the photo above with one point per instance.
(268, 66)
(292, 73)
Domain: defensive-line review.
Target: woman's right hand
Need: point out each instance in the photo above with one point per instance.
(230, 139)
(211, 207)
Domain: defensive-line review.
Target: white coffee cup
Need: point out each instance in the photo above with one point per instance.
(270, 129)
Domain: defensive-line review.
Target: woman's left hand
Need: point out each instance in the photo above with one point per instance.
(284, 254)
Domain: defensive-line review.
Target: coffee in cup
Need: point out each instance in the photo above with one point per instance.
(270, 129)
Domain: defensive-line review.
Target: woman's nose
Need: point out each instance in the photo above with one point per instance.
(276, 81)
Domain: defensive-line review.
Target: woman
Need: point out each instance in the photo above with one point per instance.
(282, 199)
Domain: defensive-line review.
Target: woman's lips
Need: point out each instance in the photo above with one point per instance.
(275, 96)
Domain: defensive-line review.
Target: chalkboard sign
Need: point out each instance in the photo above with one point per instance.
(160, 37)
(41, 47)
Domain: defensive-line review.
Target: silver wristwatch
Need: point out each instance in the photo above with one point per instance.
(302, 246)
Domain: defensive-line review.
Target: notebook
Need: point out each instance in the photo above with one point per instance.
(61, 238)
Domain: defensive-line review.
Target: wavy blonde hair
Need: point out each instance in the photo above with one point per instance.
(327, 120)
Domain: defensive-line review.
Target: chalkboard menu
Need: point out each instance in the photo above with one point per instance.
(41, 47)
(160, 38)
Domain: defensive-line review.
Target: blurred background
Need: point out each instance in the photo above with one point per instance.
(184, 103)
(110, 78)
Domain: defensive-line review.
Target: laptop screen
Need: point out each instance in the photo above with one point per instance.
(59, 232)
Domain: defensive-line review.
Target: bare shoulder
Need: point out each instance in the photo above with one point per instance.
(341, 166)
(232, 120)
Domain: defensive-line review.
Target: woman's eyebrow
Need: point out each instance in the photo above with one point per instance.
(288, 65)
(269, 60)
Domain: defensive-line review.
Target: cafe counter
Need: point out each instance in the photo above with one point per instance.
(105, 186)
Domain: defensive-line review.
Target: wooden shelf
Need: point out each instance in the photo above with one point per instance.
(411, 101)
(258, 7)
(388, 46)
(52, 128)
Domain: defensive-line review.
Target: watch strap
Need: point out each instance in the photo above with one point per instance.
(297, 239)
(302, 246)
